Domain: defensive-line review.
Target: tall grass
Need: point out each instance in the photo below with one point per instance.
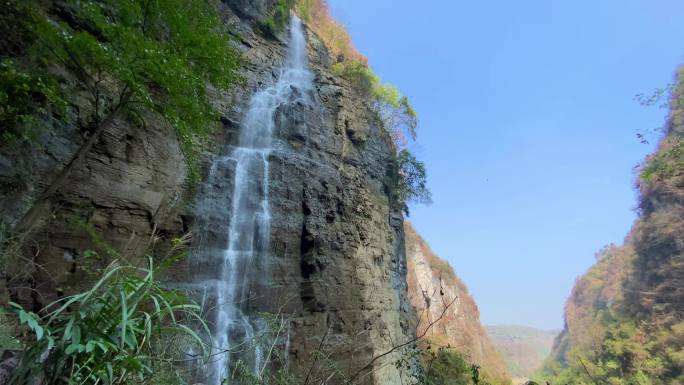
(108, 334)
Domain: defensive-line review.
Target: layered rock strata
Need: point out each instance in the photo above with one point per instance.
(337, 264)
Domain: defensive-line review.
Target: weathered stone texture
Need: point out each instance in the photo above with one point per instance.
(435, 291)
(338, 264)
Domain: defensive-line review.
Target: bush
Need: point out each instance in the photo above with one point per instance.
(665, 164)
(23, 98)
(358, 74)
(274, 24)
(395, 111)
(448, 367)
(132, 56)
(109, 333)
(407, 181)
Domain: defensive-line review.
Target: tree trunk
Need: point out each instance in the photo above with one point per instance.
(41, 207)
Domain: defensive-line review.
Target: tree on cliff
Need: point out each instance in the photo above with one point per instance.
(128, 58)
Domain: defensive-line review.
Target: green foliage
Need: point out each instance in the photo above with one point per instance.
(623, 353)
(108, 334)
(23, 98)
(8, 337)
(664, 164)
(398, 116)
(143, 55)
(612, 337)
(246, 376)
(172, 368)
(271, 26)
(407, 180)
(445, 366)
(394, 109)
(449, 368)
(305, 9)
(358, 74)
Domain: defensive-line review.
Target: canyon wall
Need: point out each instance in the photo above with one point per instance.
(337, 263)
(442, 300)
(624, 320)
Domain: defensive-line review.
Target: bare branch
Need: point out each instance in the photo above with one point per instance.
(395, 348)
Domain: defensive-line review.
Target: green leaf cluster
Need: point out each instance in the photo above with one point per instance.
(407, 180)
(624, 352)
(442, 366)
(271, 26)
(24, 97)
(449, 368)
(106, 334)
(304, 9)
(664, 164)
(139, 56)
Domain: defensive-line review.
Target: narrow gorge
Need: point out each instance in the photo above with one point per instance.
(215, 192)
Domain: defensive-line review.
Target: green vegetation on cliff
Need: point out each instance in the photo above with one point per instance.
(625, 317)
(113, 60)
(94, 67)
(408, 181)
(23, 98)
(276, 22)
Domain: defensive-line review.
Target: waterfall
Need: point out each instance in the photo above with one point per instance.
(234, 226)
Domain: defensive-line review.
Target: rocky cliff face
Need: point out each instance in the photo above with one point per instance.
(432, 286)
(338, 265)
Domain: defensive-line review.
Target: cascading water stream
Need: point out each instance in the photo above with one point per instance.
(232, 260)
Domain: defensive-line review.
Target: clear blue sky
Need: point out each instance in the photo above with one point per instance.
(528, 129)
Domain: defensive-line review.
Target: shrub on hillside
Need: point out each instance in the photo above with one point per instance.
(271, 26)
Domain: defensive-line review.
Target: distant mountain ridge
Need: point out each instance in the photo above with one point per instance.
(523, 348)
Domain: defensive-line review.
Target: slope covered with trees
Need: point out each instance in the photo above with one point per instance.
(624, 318)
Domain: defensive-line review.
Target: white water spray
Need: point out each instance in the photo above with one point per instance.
(230, 266)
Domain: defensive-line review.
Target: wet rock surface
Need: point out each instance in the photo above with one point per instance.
(337, 263)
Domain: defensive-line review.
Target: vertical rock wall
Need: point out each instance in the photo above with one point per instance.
(435, 291)
(338, 265)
